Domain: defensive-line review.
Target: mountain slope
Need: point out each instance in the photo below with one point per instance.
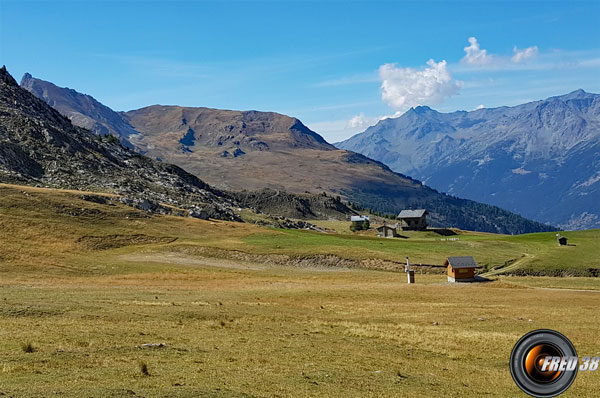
(237, 150)
(83, 110)
(39, 146)
(540, 159)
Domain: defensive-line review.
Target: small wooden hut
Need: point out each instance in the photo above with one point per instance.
(387, 231)
(561, 240)
(461, 269)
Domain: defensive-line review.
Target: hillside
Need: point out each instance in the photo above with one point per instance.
(83, 110)
(39, 146)
(214, 308)
(52, 227)
(249, 150)
(538, 159)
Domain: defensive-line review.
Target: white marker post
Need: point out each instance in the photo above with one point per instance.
(410, 274)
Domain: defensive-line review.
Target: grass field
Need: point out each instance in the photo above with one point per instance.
(85, 285)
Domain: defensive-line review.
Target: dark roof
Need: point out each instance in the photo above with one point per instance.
(386, 226)
(412, 213)
(461, 262)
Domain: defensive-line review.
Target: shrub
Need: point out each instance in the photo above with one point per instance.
(144, 368)
(27, 347)
(359, 225)
(112, 139)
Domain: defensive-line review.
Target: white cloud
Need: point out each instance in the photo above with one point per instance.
(524, 55)
(361, 121)
(480, 106)
(339, 130)
(334, 130)
(475, 55)
(403, 88)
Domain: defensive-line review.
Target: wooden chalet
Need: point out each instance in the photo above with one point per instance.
(413, 220)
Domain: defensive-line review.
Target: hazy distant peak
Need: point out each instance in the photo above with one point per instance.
(577, 94)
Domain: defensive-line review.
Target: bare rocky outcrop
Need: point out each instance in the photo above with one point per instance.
(305, 206)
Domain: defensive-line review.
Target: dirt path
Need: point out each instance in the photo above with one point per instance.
(526, 257)
(567, 289)
(176, 258)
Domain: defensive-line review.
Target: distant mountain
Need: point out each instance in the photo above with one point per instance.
(250, 150)
(540, 159)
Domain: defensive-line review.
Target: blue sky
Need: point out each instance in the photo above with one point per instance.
(338, 66)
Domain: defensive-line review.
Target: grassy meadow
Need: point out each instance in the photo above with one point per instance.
(236, 310)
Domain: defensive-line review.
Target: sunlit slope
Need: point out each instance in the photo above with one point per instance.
(68, 230)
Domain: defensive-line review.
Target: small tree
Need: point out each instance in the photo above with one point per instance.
(112, 139)
(359, 225)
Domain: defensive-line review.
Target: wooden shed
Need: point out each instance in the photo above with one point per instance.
(461, 269)
(413, 220)
(387, 231)
(561, 240)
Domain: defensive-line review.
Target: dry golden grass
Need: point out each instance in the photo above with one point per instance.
(276, 332)
(241, 329)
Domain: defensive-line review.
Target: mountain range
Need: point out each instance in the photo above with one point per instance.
(540, 159)
(250, 150)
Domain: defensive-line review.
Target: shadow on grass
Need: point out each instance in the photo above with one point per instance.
(442, 231)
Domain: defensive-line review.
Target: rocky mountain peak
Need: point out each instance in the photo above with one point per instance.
(26, 79)
(6, 77)
(577, 94)
(82, 109)
(421, 109)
